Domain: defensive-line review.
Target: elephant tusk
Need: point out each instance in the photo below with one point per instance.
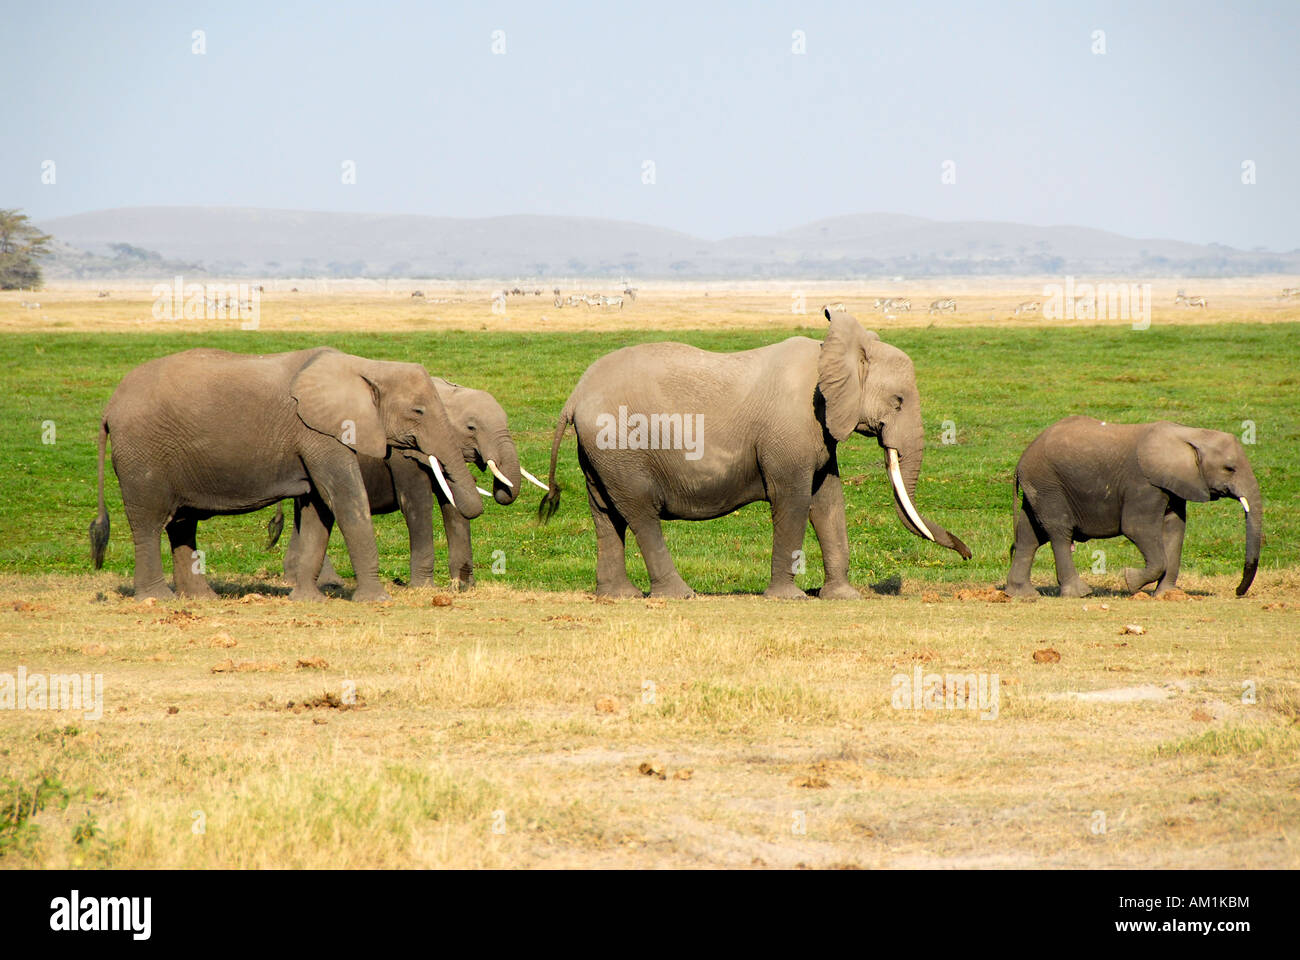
(897, 477)
(496, 472)
(1245, 504)
(531, 479)
(442, 481)
(482, 492)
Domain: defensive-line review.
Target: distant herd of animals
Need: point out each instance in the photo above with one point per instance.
(665, 431)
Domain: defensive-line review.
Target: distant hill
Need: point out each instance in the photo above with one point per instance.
(239, 241)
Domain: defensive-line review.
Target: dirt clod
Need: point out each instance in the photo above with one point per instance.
(1047, 655)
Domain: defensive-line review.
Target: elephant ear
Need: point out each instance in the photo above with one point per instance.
(1170, 458)
(841, 371)
(336, 398)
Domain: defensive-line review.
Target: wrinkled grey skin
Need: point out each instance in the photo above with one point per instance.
(206, 433)
(482, 433)
(773, 418)
(1084, 479)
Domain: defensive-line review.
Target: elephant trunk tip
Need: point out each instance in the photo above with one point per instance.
(1247, 578)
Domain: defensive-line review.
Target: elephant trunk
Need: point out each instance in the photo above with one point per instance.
(443, 457)
(1253, 504)
(903, 456)
(504, 457)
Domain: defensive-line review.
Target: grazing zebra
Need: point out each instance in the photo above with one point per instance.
(418, 293)
(898, 303)
(1029, 306)
(837, 307)
(1183, 300)
(103, 293)
(1291, 291)
(939, 306)
(612, 302)
(630, 293)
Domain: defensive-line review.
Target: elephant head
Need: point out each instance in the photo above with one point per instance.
(370, 405)
(869, 387)
(1204, 465)
(483, 436)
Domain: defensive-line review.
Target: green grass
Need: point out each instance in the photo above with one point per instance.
(999, 386)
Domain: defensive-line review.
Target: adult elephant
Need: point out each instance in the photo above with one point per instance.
(1083, 479)
(667, 431)
(482, 435)
(207, 432)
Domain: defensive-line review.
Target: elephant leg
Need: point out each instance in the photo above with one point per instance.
(146, 536)
(292, 551)
(664, 578)
(415, 500)
(460, 552)
(328, 577)
(1029, 537)
(1066, 573)
(611, 539)
(789, 524)
(313, 522)
(1147, 531)
(344, 492)
(827, 515)
(186, 570)
(1175, 526)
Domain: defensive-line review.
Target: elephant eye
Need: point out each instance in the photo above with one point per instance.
(418, 411)
(898, 403)
(1229, 467)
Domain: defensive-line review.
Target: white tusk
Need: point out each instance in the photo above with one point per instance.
(1244, 504)
(492, 465)
(897, 477)
(482, 492)
(531, 479)
(442, 481)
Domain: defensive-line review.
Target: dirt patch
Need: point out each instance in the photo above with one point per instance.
(245, 666)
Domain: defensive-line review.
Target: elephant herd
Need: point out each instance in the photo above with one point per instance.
(665, 431)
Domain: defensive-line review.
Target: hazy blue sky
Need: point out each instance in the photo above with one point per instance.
(746, 136)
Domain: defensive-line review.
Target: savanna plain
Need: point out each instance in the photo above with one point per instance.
(525, 723)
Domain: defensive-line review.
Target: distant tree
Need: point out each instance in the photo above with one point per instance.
(21, 245)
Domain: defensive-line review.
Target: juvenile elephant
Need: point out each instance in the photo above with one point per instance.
(1084, 479)
(206, 432)
(482, 435)
(667, 431)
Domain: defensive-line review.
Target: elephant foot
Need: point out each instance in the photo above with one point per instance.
(1075, 590)
(462, 584)
(198, 589)
(1163, 588)
(1021, 591)
(839, 591)
(619, 591)
(1134, 579)
(785, 590)
(333, 581)
(371, 593)
(677, 590)
(157, 591)
(418, 582)
(307, 594)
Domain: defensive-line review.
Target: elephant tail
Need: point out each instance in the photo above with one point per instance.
(99, 526)
(1015, 506)
(275, 526)
(551, 502)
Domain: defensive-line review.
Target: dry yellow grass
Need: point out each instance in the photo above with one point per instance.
(340, 305)
(476, 738)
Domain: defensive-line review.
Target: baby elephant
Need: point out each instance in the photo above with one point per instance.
(1085, 479)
